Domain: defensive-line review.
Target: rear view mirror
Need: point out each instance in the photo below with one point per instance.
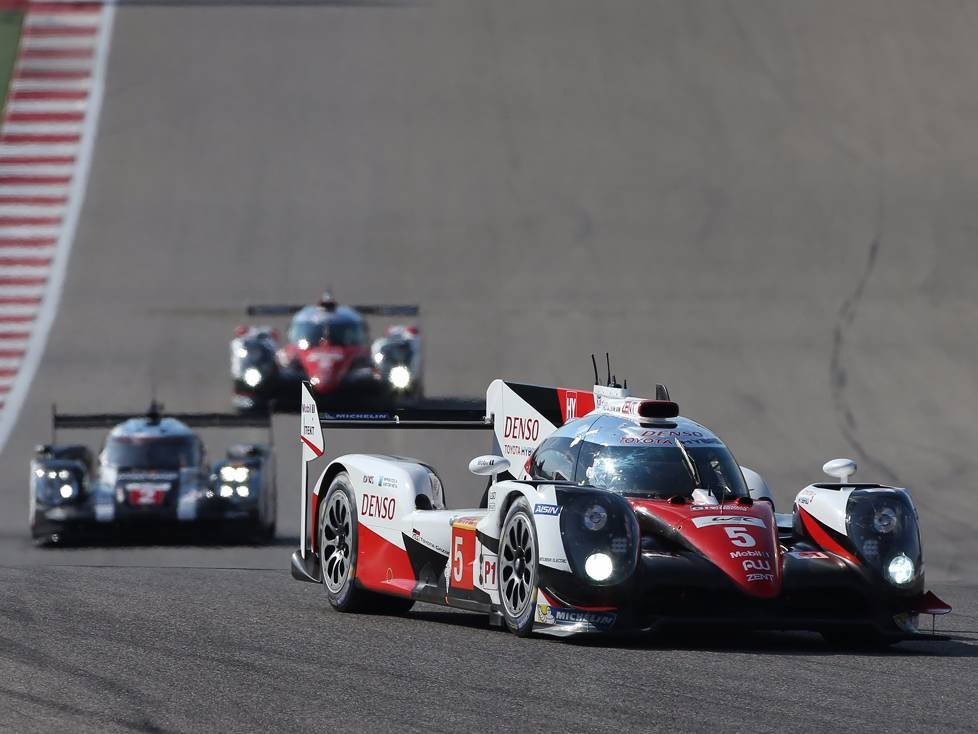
(487, 465)
(757, 486)
(840, 469)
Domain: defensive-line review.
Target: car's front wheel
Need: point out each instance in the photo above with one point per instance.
(518, 569)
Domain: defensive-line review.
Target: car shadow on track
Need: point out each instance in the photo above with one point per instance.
(724, 641)
(165, 539)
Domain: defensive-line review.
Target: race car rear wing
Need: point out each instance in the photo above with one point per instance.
(194, 420)
(369, 309)
(312, 422)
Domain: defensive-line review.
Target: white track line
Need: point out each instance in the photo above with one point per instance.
(14, 400)
(46, 105)
(33, 150)
(42, 128)
(26, 169)
(36, 232)
(50, 85)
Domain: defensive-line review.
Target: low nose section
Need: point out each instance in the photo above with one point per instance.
(740, 541)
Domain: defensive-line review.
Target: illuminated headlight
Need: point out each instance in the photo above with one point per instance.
(900, 570)
(378, 357)
(39, 473)
(66, 491)
(302, 344)
(52, 475)
(596, 517)
(315, 380)
(598, 566)
(400, 377)
(227, 490)
(243, 490)
(885, 520)
(234, 473)
(64, 475)
(252, 377)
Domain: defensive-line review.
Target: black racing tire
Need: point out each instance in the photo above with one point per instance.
(519, 573)
(337, 538)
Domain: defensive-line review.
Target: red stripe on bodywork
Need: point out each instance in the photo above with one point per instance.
(821, 536)
(381, 565)
(315, 449)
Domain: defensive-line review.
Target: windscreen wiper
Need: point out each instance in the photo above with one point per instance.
(690, 465)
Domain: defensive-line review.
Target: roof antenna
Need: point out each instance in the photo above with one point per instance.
(607, 359)
(594, 363)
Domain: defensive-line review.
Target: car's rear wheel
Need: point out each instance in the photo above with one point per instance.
(338, 551)
(518, 569)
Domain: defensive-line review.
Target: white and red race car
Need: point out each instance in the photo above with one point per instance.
(606, 512)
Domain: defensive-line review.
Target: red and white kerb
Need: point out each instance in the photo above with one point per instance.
(48, 123)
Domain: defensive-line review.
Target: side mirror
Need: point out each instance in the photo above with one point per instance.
(757, 486)
(840, 469)
(484, 466)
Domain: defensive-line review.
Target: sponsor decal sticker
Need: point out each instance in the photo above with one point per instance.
(750, 554)
(389, 482)
(564, 616)
(760, 577)
(382, 508)
(521, 429)
(544, 509)
(810, 554)
(702, 522)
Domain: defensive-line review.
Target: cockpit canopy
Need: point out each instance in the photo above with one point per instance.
(639, 461)
(152, 452)
(342, 327)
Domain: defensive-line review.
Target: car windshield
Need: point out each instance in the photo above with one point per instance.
(156, 453)
(660, 472)
(397, 352)
(341, 333)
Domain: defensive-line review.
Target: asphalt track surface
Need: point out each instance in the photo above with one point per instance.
(769, 206)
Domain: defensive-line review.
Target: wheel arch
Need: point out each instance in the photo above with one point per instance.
(326, 478)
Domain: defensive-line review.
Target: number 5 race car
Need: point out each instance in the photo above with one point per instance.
(606, 512)
(151, 474)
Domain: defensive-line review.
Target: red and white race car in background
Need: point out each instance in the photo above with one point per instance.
(328, 345)
(607, 512)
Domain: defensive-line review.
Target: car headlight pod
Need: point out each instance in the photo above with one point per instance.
(399, 376)
(881, 525)
(600, 535)
(900, 570)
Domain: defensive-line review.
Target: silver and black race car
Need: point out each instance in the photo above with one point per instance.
(151, 474)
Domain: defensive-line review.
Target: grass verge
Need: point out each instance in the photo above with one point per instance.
(10, 23)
